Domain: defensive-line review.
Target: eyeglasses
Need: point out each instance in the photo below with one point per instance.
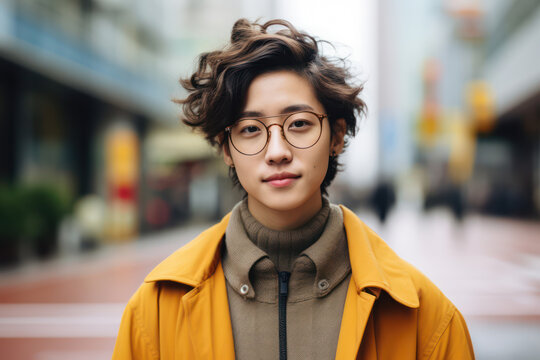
(301, 129)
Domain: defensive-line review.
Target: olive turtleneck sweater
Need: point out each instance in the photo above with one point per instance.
(315, 254)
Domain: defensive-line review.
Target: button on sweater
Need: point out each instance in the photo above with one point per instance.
(317, 257)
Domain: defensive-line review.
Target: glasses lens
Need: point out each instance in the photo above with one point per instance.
(302, 129)
(248, 136)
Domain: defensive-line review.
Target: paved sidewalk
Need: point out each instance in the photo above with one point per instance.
(70, 308)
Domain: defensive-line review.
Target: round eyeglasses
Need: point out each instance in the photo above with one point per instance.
(301, 129)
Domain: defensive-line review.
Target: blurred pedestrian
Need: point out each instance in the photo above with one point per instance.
(383, 199)
(286, 274)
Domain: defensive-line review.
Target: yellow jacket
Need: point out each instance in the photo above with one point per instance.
(392, 311)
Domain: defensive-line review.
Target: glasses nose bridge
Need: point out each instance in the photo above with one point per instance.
(270, 133)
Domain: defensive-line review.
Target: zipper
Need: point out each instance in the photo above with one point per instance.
(283, 293)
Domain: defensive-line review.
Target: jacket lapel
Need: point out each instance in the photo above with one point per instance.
(207, 314)
(355, 317)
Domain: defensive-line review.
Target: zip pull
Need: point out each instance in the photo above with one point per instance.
(284, 283)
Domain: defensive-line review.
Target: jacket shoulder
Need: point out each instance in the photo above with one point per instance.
(442, 330)
(152, 313)
(409, 297)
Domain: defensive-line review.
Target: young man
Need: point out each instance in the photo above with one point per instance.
(285, 274)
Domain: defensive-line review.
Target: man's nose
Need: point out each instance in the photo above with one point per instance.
(278, 149)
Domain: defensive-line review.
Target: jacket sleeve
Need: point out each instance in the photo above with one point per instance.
(134, 340)
(453, 341)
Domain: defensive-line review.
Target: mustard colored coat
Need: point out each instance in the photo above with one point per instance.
(392, 311)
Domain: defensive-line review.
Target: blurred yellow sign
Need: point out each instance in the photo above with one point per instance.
(122, 156)
(462, 147)
(429, 124)
(481, 106)
(122, 165)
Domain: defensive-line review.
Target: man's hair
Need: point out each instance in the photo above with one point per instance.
(217, 90)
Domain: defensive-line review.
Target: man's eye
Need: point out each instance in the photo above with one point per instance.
(299, 124)
(249, 130)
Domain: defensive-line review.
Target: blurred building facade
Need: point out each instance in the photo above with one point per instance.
(464, 97)
(85, 106)
(513, 76)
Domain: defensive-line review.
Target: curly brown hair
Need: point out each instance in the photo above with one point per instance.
(217, 90)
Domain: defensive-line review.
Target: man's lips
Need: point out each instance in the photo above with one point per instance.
(281, 180)
(281, 176)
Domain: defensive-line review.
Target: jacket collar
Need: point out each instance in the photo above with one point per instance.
(194, 262)
(374, 265)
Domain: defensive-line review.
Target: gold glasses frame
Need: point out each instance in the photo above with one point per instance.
(287, 116)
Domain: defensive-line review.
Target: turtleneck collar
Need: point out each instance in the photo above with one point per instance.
(283, 247)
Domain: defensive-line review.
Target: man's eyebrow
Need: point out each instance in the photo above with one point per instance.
(250, 114)
(285, 110)
(298, 107)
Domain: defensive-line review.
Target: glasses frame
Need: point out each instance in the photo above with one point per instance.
(287, 116)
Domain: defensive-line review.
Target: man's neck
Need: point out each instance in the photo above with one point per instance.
(283, 220)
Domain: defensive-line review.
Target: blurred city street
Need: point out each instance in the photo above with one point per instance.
(70, 308)
(101, 178)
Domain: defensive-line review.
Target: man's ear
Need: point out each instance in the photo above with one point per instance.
(227, 158)
(338, 136)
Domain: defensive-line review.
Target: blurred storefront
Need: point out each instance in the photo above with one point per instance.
(475, 137)
(184, 179)
(85, 108)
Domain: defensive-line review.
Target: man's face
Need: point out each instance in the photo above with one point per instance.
(271, 94)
